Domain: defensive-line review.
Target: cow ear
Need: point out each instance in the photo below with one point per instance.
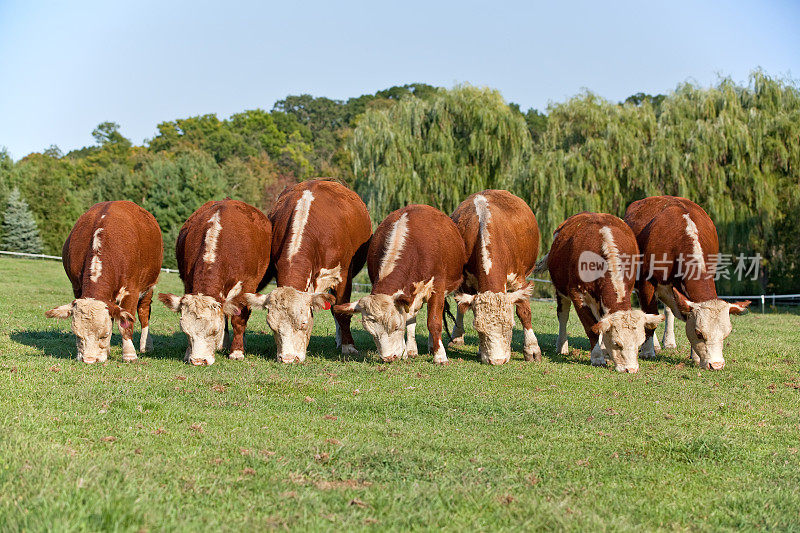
(684, 304)
(64, 311)
(521, 295)
(422, 291)
(172, 301)
(602, 326)
(464, 302)
(234, 302)
(651, 321)
(737, 308)
(403, 301)
(257, 301)
(124, 318)
(347, 309)
(322, 300)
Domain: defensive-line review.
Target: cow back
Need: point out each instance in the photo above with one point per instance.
(223, 243)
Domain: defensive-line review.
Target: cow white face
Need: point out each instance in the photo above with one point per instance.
(494, 321)
(202, 318)
(384, 317)
(623, 334)
(91, 323)
(708, 324)
(291, 319)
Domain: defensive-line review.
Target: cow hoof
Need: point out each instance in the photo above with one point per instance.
(129, 358)
(89, 361)
(671, 346)
(236, 355)
(648, 355)
(598, 362)
(458, 341)
(349, 349)
(442, 361)
(533, 354)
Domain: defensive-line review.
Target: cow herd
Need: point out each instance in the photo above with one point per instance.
(318, 236)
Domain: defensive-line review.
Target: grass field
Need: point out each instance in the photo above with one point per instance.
(330, 444)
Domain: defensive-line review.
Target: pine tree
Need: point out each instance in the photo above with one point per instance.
(20, 232)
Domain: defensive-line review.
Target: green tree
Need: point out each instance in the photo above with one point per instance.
(437, 151)
(20, 232)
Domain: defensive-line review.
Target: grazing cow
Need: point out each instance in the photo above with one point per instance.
(415, 256)
(321, 234)
(592, 263)
(502, 241)
(680, 250)
(112, 257)
(222, 251)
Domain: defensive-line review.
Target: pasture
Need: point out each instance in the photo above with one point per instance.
(331, 444)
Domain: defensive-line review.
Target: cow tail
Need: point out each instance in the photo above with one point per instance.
(541, 265)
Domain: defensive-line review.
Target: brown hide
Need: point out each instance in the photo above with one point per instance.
(130, 253)
(512, 243)
(581, 233)
(433, 248)
(660, 228)
(338, 225)
(241, 253)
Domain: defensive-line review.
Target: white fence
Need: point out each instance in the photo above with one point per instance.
(764, 299)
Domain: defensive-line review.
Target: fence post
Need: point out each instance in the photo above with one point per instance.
(762, 303)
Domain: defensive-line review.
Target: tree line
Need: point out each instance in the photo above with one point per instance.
(734, 149)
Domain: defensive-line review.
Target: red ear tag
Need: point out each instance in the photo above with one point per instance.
(326, 305)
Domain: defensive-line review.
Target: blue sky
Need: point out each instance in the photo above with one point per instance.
(65, 68)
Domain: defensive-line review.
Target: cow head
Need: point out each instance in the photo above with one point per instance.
(384, 317)
(91, 323)
(290, 317)
(202, 318)
(494, 320)
(707, 325)
(623, 333)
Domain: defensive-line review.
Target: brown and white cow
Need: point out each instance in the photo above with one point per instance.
(321, 232)
(502, 241)
(592, 264)
(112, 257)
(416, 256)
(680, 250)
(222, 251)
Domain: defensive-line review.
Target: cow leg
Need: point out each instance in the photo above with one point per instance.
(411, 338)
(458, 329)
(226, 338)
(530, 349)
(588, 320)
(435, 309)
(239, 323)
(143, 309)
(129, 303)
(344, 337)
(649, 303)
(562, 310)
(669, 329)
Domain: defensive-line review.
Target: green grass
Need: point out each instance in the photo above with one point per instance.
(331, 444)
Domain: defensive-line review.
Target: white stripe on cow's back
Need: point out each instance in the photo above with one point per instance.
(394, 246)
(484, 216)
(96, 265)
(299, 222)
(212, 236)
(611, 253)
(697, 250)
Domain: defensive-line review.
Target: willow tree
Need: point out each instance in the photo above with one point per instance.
(733, 149)
(437, 151)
